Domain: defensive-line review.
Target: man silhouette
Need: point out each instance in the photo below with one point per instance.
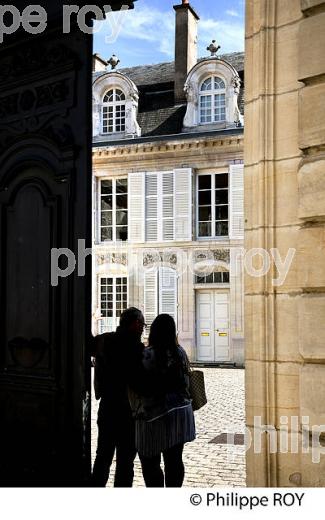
(117, 354)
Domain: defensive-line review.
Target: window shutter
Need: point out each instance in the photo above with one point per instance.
(150, 295)
(236, 174)
(183, 204)
(136, 190)
(168, 206)
(151, 206)
(168, 292)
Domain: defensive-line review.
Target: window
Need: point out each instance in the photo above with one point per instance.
(213, 205)
(113, 301)
(218, 277)
(212, 100)
(114, 112)
(160, 293)
(114, 210)
(159, 206)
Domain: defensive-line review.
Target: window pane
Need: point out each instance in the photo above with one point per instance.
(218, 83)
(204, 229)
(221, 180)
(207, 84)
(205, 213)
(119, 95)
(108, 97)
(106, 187)
(121, 233)
(107, 234)
(121, 201)
(221, 196)
(221, 228)
(121, 218)
(107, 202)
(204, 198)
(217, 277)
(206, 102)
(221, 213)
(225, 277)
(107, 218)
(121, 186)
(204, 182)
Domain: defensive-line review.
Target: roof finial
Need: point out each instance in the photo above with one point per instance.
(213, 48)
(185, 2)
(113, 61)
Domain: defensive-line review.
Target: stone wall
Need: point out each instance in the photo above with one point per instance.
(285, 208)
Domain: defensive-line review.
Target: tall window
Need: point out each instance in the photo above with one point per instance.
(213, 100)
(113, 301)
(114, 210)
(114, 111)
(159, 206)
(213, 205)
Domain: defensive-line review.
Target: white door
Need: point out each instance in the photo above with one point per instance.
(213, 326)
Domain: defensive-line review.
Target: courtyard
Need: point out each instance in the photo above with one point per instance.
(209, 463)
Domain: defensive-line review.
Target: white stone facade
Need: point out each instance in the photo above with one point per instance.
(179, 254)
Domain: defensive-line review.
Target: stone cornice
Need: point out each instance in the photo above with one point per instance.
(222, 143)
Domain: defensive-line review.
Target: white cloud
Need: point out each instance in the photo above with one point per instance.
(152, 30)
(232, 12)
(149, 25)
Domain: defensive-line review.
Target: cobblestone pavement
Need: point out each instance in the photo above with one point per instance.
(208, 464)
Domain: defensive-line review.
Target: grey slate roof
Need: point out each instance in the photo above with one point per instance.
(157, 113)
(164, 72)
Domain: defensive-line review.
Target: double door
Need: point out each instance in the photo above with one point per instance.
(212, 312)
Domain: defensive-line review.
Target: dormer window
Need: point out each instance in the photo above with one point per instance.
(212, 100)
(114, 111)
(212, 88)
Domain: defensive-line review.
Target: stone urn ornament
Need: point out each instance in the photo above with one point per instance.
(213, 48)
(113, 61)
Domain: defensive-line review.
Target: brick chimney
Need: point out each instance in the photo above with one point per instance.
(185, 46)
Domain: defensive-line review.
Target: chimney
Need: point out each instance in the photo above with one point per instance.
(185, 46)
(99, 64)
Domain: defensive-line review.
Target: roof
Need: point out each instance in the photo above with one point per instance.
(164, 72)
(158, 114)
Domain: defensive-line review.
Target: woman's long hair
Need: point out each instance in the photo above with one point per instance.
(163, 339)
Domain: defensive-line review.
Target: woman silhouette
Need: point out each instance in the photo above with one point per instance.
(165, 419)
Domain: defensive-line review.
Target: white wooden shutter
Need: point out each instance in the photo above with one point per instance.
(236, 221)
(136, 190)
(167, 201)
(183, 204)
(151, 207)
(150, 295)
(168, 292)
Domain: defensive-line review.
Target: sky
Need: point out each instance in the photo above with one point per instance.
(146, 35)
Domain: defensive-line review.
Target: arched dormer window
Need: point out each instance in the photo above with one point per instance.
(212, 88)
(115, 107)
(212, 100)
(113, 111)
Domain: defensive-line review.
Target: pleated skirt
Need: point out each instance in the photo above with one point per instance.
(157, 435)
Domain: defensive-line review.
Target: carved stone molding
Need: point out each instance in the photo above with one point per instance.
(166, 258)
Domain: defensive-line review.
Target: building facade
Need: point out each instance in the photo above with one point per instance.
(168, 194)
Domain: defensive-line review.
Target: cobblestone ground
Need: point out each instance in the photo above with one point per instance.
(208, 464)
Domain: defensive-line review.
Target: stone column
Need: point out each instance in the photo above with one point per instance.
(311, 212)
(272, 158)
